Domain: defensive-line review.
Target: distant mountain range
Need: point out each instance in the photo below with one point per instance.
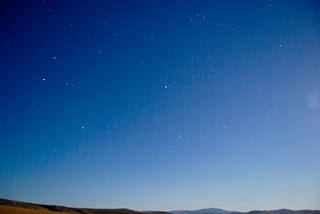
(18, 207)
(201, 211)
(221, 211)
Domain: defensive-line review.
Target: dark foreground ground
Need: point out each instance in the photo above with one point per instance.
(13, 207)
(18, 207)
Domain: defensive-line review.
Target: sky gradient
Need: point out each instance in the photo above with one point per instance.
(161, 105)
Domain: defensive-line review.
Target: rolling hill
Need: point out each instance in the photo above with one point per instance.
(18, 207)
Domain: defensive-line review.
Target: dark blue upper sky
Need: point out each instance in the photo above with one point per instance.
(161, 104)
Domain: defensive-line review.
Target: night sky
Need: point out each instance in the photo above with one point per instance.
(161, 105)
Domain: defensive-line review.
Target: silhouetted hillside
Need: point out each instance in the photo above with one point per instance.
(10, 206)
(18, 207)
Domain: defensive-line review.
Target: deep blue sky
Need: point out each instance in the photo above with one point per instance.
(161, 104)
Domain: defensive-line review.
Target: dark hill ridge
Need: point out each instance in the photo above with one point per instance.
(11, 205)
(64, 209)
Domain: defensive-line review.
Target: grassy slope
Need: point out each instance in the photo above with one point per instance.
(21, 210)
(17, 207)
